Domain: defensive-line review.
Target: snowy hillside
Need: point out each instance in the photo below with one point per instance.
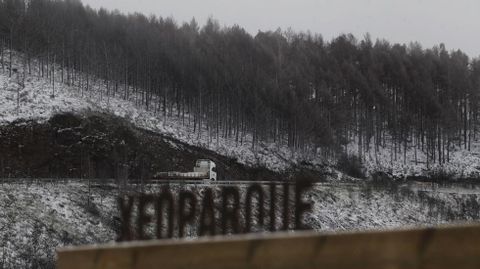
(36, 218)
(39, 216)
(463, 163)
(39, 99)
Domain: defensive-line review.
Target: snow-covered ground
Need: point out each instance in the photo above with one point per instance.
(37, 217)
(463, 163)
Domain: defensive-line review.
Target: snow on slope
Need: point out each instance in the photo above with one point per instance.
(39, 102)
(37, 217)
(35, 100)
(462, 164)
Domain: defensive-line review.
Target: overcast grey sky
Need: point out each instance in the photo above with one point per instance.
(453, 22)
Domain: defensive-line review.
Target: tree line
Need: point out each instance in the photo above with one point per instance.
(286, 87)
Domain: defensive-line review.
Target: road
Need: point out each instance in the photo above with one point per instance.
(412, 185)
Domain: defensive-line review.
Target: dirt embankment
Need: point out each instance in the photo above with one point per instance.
(103, 146)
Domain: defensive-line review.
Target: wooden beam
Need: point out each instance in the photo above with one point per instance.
(436, 248)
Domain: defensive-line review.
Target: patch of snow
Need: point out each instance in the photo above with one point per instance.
(462, 163)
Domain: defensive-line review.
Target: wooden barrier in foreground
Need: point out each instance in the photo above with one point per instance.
(436, 248)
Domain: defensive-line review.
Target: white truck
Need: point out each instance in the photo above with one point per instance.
(204, 169)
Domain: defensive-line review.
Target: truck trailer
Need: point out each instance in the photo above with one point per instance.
(204, 169)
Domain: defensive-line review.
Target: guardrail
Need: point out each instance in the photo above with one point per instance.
(443, 247)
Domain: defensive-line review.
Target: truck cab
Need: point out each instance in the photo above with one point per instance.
(206, 166)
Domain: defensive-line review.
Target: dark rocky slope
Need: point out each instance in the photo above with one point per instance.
(104, 146)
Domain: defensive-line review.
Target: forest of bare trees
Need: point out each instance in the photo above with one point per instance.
(291, 88)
